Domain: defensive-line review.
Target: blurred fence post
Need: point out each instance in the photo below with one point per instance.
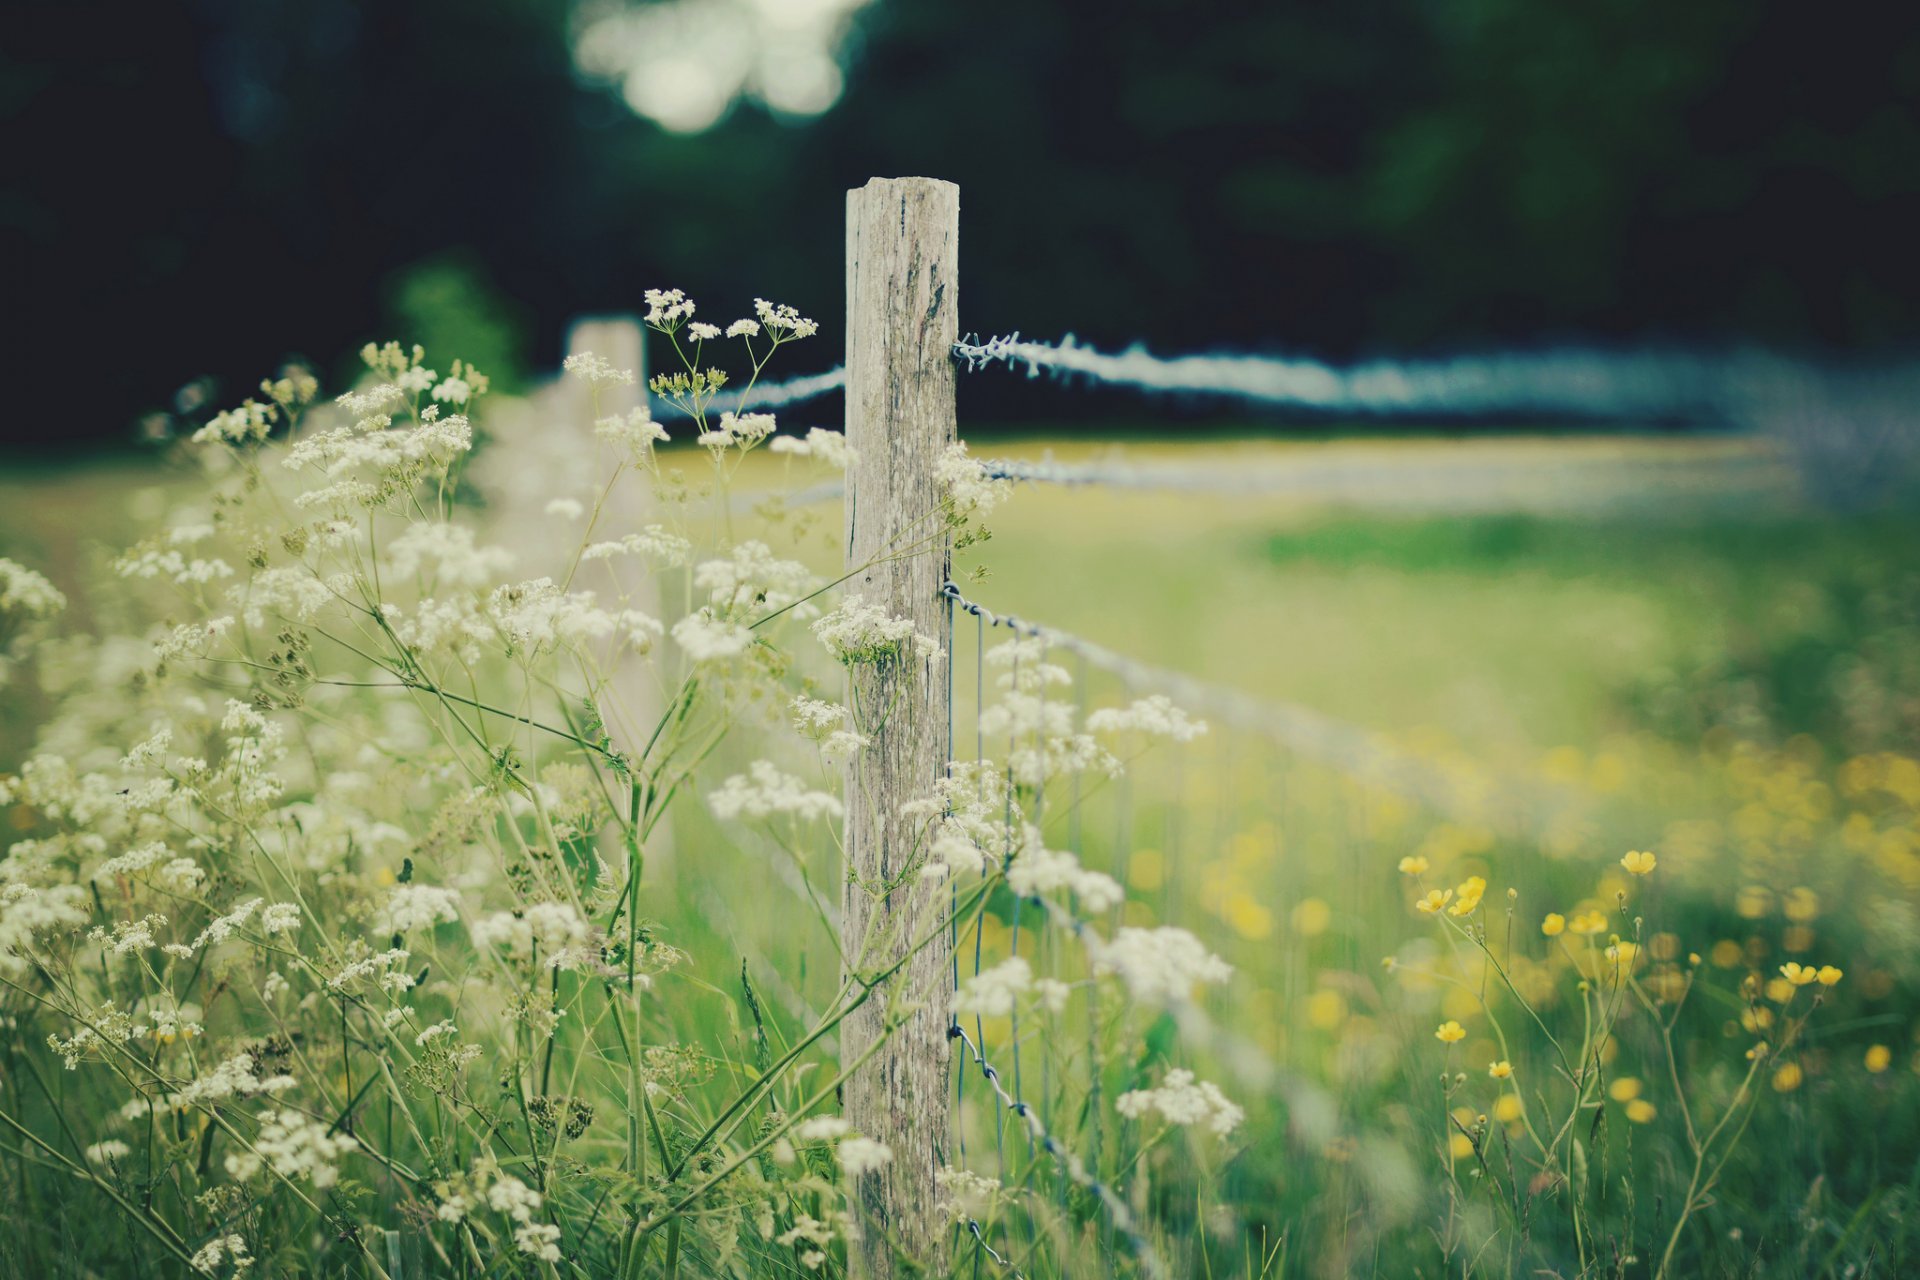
(902, 321)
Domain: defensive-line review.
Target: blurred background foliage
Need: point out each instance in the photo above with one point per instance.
(194, 185)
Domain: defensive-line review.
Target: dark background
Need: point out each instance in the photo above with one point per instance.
(203, 188)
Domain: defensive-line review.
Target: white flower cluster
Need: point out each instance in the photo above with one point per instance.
(231, 1249)
(169, 563)
(970, 490)
(752, 580)
(666, 308)
(553, 930)
(636, 433)
(654, 542)
(26, 911)
(829, 447)
(447, 554)
(539, 617)
(763, 791)
(26, 594)
(1037, 870)
(596, 371)
(993, 992)
(859, 632)
(506, 1195)
(236, 1077)
(1155, 716)
(248, 424)
(416, 906)
(965, 1196)
(736, 431)
(1183, 1100)
(295, 1147)
(1158, 966)
(783, 321)
(706, 638)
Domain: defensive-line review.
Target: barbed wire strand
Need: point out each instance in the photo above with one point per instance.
(1581, 383)
(1117, 1209)
(1344, 747)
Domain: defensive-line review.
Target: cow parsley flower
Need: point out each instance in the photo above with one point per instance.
(763, 791)
(26, 594)
(416, 906)
(706, 638)
(666, 308)
(596, 371)
(231, 1249)
(447, 553)
(1038, 870)
(970, 490)
(1154, 716)
(655, 542)
(296, 1148)
(783, 322)
(636, 433)
(829, 447)
(859, 632)
(1182, 1099)
(1158, 966)
(858, 1155)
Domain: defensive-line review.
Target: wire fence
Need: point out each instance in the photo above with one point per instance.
(1742, 390)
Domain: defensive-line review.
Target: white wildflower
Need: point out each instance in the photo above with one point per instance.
(860, 632)
(416, 906)
(1155, 716)
(970, 491)
(596, 371)
(764, 791)
(1183, 1100)
(1158, 966)
(706, 638)
(294, 1147)
(859, 1155)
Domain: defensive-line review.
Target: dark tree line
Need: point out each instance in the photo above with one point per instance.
(208, 186)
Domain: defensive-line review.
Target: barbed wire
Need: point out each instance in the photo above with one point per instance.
(1069, 1162)
(1580, 383)
(1345, 747)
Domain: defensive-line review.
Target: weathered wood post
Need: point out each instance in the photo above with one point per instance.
(902, 321)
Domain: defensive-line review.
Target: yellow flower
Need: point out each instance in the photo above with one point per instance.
(1414, 865)
(1554, 925)
(1623, 953)
(1639, 863)
(1801, 974)
(1450, 1032)
(1829, 975)
(1470, 894)
(1435, 901)
(1879, 1058)
(1326, 1009)
(1461, 1146)
(1501, 1070)
(1787, 1078)
(1507, 1108)
(1587, 922)
(1624, 1089)
(1640, 1111)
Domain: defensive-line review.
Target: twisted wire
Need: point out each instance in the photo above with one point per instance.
(1306, 732)
(1070, 1163)
(1562, 382)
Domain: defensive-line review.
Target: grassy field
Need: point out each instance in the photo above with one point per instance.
(1581, 647)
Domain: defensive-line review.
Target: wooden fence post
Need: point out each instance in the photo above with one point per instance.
(902, 321)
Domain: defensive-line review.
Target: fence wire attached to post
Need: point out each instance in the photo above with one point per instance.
(902, 320)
